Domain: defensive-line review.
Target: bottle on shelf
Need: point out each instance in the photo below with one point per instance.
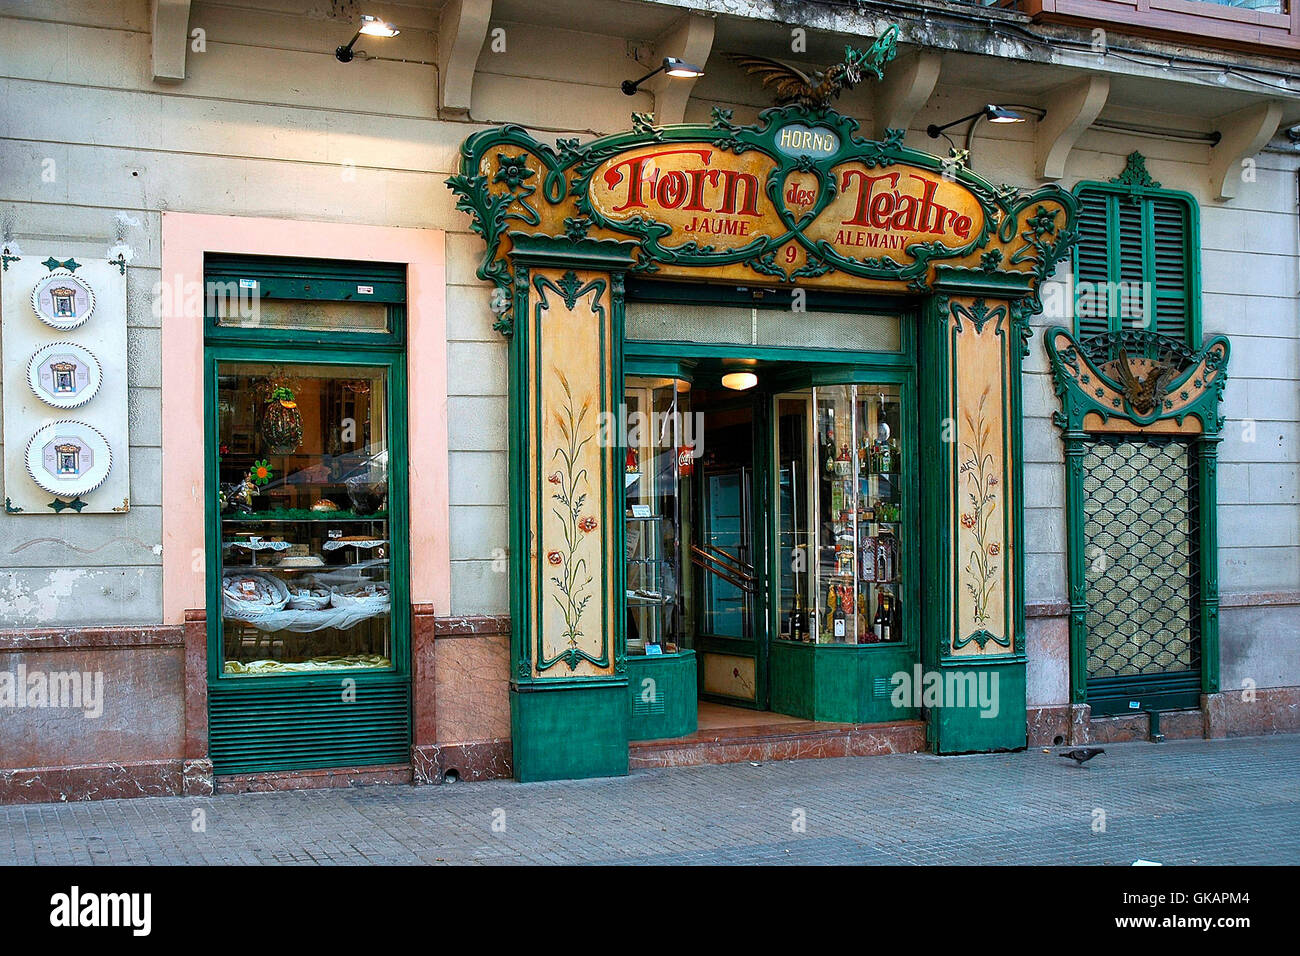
(840, 622)
(887, 617)
(878, 623)
(863, 626)
(886, 457)
(829, 619)
(798, 619)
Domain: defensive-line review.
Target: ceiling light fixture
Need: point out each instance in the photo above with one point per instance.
(671, 65)
(371, 27)
(739, 381)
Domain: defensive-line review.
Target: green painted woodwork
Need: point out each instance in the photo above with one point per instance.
(1197, 392)
(321, 280)
(1133, 233)
(569, 731)
(572, 727)
(973, 729)
(662, 695)
(304, 722)
(295, 721)
(841, 683)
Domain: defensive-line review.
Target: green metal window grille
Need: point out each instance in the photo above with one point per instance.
(1141, 558)
(1137, 261)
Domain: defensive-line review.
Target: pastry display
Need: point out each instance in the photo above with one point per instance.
(303, 537)
(254, 668)
(367, 594)
(309, 596)
(250, 593)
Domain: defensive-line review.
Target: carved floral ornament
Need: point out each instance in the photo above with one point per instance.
(1137, 376)
(796, 199)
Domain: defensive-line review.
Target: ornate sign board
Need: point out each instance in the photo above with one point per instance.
(796, 199)
(66, 431)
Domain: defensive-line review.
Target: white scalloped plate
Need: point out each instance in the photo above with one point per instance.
(62, 301)
(68, 458)
(64, 375)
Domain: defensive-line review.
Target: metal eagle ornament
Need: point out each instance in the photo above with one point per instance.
(817, 91)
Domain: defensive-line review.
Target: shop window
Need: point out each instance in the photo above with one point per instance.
(839, 523)
(307, 552)
(657, 512)
(1137, 261)
(305, 532)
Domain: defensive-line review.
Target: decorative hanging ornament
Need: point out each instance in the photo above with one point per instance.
(68, 458)
(282, 423)
(63, 301)
(64, 375)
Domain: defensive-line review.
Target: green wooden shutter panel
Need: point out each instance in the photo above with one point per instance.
(1170, 270)
(1093, 262)
(252, 729)
(1141, 247)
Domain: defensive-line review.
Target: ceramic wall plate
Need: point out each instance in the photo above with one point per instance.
(68, 458)
(64, 375)
(63, 301)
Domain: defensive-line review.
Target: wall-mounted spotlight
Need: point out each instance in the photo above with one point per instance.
(371, 27)
(994, 114)
(671, 65)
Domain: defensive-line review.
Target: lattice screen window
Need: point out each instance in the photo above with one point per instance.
(1141, 558)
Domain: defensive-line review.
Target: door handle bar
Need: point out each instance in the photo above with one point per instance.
(723, 565)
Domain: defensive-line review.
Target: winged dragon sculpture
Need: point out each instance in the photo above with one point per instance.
(816, 92)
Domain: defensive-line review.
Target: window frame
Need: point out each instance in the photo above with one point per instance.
(292, 347)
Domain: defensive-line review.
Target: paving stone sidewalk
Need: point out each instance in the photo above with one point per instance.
(1179, 802)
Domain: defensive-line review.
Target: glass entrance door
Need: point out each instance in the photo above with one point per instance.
(727, 553)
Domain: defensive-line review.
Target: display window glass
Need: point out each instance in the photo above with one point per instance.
(300, 315)
(305, 539)
(657, 513)
(841, 560)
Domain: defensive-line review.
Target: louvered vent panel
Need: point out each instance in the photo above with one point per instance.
(254, 729)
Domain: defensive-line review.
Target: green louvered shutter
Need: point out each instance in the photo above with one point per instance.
(1171, 267)
(1135, 260)
(1092, 259)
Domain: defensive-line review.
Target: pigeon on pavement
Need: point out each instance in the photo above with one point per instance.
(1083, 754)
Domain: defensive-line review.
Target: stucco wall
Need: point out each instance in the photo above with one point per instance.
(268, 123)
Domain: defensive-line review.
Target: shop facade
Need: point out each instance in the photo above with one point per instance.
(782, 597)
(463, 448)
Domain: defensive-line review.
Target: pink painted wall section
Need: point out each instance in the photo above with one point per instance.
(186, 238)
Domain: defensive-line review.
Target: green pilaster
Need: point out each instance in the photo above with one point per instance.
(1076, 566)
(985, 312)
(1207, 470)
(570, 714)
